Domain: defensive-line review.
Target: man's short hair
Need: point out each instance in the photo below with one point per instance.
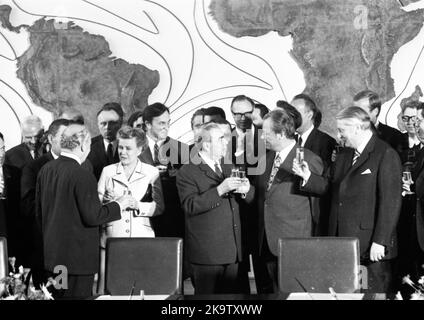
(205, 133)
(127, 132)
(373, 99)
(263, 110)
(134, 117)
(410, 104)
(214, 111)
(56, 124)
(73, 136)
(32, 121)
(240, 98)
(420, 108)
(355, 115)
(310, 104)
(220, 121)
(198, 112)
(73, 115)
(291, 111)
(282, 122)
(154, 110)
(112, 106)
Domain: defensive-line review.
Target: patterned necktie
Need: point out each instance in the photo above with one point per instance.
(156, 154)
(275, 167)
(355, 157)
(110, 153)
(299, 140)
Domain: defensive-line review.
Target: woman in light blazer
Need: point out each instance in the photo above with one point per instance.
(129, 176)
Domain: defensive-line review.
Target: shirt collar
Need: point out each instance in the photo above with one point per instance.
(54, 155)
(209, 161)
(114, 144)
(152, 142)
(285, 151)
(240, 132)
(306, 134)
(364, 143)
(71, 155)
(413, 141)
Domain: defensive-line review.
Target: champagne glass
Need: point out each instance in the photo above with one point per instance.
(300, 155)
(407, 179)
(244, 188)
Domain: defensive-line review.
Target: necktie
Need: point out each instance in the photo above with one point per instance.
(275, 167)
(218, 170)
(156, 154)
(299, 139)
(110, 153)
(355, 157)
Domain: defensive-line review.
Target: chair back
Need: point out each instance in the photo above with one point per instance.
(4, 259)
(316, 264)
(150, 264)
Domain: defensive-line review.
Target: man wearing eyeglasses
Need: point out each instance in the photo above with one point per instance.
(247, 147)
(104, 146)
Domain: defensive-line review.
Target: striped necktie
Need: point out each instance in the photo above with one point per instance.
(275, 167)
(355, 157)
(156, 154)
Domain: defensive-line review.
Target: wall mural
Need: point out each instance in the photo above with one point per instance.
(197, 53)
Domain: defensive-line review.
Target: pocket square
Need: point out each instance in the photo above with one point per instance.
(368, 171)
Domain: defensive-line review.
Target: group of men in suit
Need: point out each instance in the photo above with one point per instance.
(355, 191)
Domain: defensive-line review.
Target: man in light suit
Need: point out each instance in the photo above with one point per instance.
(284, 210)
(212, 216)
(366, 187)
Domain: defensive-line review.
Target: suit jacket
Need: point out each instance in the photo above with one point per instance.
(285, 211)
(391, 136)
(171, 222)
(70, 214)
(8, 216)
(322, 145)
(366, 197)
(212, 223)
(418, 177)
(98, 157)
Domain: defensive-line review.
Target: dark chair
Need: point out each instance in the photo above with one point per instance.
(150, 264)
(316, 264)
(4, 260)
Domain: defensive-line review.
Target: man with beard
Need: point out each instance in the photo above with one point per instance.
(104, 146)
(17, 158)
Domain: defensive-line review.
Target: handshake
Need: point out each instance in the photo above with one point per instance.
(126, 201)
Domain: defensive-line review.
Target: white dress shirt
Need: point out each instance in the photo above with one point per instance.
(71, 155)
(152, 145)
(306, 134)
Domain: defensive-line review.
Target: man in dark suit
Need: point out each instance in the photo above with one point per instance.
(284, 210)
(70, 213)
(16, 158)
(247, 146)
(104, 146)
(320, 143)
(371, 103)
(212, 217)
(28, 184)
(365, 183)
(168, 155)
(4, 177)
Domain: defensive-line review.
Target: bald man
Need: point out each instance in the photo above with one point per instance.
(70, 213)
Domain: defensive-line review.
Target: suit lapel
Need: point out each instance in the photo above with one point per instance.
(285, 171)
(146, 156)
(311, 139)
(363, 157)
(209, 172)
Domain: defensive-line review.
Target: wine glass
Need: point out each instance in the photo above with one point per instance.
(300, 155)
(407, 179)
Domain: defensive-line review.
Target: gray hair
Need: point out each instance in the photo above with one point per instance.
(73, 136)
(32, 121)
(205, 133)
(355, 115)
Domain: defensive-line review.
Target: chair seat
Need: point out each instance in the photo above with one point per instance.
(316, 264)
(150, 264)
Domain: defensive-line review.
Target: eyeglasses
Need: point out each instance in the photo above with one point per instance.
(409, 118)
(239, 115)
